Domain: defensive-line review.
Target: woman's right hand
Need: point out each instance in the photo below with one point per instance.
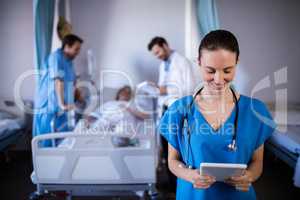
(201, 181)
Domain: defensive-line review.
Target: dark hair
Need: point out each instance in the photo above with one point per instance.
(157, 40)
(126, 87)
(219, 39)
(70, 39)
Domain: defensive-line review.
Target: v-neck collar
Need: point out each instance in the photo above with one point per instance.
(232, 113)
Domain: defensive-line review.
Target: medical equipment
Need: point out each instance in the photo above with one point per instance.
(231, 147)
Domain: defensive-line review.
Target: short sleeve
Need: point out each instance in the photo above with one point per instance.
(267, 125)
(55, 66)
(171, 125)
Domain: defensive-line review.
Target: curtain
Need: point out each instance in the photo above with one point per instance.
(43, 12)
(207, 16)
(56, 43)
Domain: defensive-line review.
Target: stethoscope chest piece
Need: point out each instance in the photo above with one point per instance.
(232, 146)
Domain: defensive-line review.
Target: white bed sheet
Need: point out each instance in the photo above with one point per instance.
(8, 126)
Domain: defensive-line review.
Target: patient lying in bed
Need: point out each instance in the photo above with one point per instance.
(121, 118)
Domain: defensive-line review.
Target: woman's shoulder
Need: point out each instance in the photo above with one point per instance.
(253, 103)
(183, 101)
(181, 104)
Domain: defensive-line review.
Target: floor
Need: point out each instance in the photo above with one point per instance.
(275, 183)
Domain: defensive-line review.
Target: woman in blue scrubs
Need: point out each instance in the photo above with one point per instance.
(55, 91)
(212, 117)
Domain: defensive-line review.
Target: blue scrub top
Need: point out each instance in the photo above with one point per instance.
(57, 66)
(255, 125)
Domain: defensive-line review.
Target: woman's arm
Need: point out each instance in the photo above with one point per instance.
(256, 166)
(252, 173)
(190, 175)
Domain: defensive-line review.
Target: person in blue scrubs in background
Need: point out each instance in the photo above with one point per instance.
(211, 115)
(55, 90)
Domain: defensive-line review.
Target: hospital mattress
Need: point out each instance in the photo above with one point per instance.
(285, 142)
(289, 139)
(9, 127)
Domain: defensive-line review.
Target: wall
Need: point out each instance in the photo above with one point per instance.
(268, 35)
(118, 32)
(16, 49)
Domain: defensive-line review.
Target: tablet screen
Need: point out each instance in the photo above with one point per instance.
(222, 171)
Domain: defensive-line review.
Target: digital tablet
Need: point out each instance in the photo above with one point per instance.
(222, 171)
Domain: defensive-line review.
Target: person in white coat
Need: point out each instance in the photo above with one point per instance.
(176, 78)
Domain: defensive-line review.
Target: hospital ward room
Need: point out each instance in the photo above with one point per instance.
(149, 100)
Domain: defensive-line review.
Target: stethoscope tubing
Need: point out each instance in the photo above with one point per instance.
(231, 147)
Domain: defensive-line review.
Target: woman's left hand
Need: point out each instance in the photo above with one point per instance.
(243, 182)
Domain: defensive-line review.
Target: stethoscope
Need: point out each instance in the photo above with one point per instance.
(232, 147)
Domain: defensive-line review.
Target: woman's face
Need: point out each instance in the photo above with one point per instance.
(217, 69)
(125, 95)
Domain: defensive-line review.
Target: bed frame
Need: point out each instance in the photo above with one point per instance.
(132, 169)
(76, 168)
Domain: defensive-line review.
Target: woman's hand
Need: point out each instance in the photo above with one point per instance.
(201, 181)
(242, 183)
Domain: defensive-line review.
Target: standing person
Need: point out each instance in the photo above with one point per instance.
(55, 89)
(216, 125)
(176, 78)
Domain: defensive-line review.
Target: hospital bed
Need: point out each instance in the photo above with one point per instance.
(285, 142)
(90, 164)
(12, 123)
